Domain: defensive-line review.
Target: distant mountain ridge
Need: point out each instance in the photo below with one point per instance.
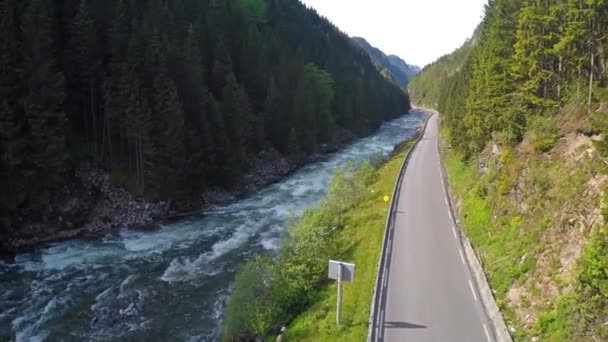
(398, 70)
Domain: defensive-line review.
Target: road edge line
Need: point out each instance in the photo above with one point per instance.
(373, 315)
(499, 329)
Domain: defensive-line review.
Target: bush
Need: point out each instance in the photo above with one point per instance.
(252, 310)
(543, 132)
(266, 295)
(584, 311)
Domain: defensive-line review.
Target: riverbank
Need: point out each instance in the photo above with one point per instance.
(365, 229)
(180, 277)
(91, 204)
(356, 237)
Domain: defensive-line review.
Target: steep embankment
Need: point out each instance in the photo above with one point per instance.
(524, 127)
(172, 99)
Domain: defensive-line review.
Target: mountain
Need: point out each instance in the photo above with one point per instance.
(397, 69)
(172, 98)
(409, 70)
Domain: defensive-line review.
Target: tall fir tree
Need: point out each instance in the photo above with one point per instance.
(43, 103)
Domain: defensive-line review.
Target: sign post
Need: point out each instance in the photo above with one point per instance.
(339, 306)
(341, 271)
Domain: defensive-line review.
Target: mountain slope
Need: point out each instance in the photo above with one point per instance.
(398, 70)
(426, 86)
(173, 98)
(524, 116)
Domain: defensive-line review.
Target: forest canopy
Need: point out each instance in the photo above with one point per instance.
(175, 96)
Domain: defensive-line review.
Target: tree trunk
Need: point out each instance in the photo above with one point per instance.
(559, 81)
(141, 167)
(93, 116)
(591, 81)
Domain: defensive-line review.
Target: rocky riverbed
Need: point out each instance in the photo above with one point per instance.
(91, 205)
(167, 284)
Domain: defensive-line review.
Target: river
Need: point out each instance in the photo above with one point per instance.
(169, 284)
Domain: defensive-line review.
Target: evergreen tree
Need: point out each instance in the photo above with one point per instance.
(236, 111)
(178, 96)
(82, 72)
(12, 139)
(43, 103)
(293, 147)
(226, 164)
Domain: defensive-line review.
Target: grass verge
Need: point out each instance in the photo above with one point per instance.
(529, 212)
(361, 241)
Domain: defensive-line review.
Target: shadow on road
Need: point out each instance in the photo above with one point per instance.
(403, 325)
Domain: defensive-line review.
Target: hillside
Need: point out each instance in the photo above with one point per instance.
(524, 123)
(396, 68)
(426, 86)
(173, 99)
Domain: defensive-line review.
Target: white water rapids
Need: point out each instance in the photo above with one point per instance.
(169, 284)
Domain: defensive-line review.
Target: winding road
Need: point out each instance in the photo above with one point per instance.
(427, 291)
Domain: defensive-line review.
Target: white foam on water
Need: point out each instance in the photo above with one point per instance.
(185, 269)
(105, 294)
(128, 281)
(225, 237)
(25, 330)
(61, 256)
(181, 235)
(271, 244)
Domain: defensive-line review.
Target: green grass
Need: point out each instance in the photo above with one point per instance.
(361, 241)
(506, 213)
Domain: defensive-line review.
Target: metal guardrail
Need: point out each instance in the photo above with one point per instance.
(375, 321)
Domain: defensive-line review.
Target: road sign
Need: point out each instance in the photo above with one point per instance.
(348, 271)
(341, 271)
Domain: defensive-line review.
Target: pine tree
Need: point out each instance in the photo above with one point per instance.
(131, 83)
(293, 147)
(82, 76)
(532, 56)
(119, 35)
(171, 144)
(138, 124)
(222, 67)
(43, 102)
(12, 139)
(227, 169)
(272, 117)
(237, 113)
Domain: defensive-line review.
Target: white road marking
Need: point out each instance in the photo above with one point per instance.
(461, 256)
(446, 201)
(485, 328)
(385, 280)
(472, 290)
(454, 232)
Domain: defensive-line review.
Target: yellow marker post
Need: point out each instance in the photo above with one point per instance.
(386, 198)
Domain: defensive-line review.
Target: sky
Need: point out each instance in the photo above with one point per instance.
(419, 31)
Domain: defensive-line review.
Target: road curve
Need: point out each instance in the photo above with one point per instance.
(427, 292)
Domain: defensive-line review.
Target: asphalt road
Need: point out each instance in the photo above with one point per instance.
(429, 292)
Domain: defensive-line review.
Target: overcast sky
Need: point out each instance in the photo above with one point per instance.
(419, 31)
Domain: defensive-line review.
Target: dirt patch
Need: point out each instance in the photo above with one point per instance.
(565, 238)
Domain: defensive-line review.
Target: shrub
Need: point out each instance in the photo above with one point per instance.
(252, 309)
(267, 295)
(543, 132)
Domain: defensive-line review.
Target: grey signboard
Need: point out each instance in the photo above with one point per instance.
(348, 271)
